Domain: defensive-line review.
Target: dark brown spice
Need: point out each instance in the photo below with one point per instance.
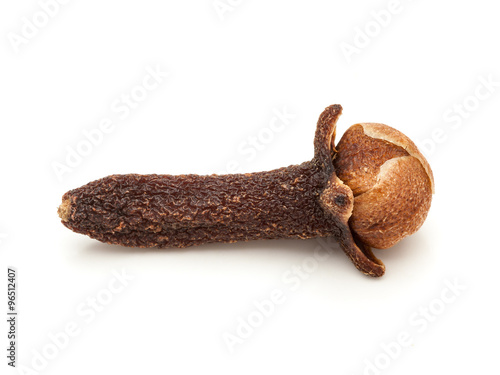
(300, 201)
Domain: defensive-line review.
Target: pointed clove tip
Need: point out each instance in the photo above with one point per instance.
(64, 209)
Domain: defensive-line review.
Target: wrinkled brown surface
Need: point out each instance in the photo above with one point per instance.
(186, 210)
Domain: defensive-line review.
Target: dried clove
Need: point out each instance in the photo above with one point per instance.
(300, 201)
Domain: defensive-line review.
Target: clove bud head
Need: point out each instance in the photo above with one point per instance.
(391, 180)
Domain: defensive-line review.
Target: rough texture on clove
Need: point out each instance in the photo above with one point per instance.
(186, 210)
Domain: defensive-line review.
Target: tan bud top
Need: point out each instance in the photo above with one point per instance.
(391, 181)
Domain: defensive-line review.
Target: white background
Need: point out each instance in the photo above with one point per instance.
(420, 72)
